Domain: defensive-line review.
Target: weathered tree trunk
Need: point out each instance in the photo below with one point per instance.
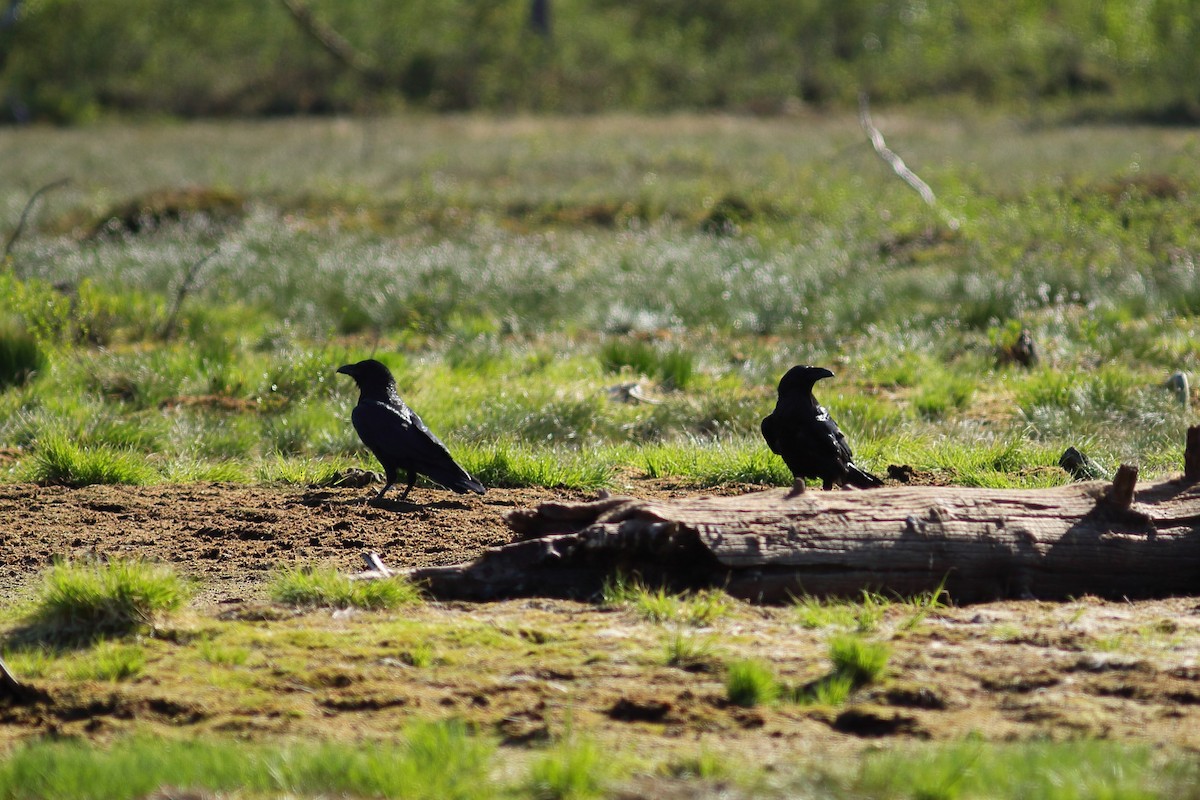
(1089, 538)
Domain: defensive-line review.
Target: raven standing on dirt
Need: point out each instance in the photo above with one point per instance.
(397, 436)
(812, 445)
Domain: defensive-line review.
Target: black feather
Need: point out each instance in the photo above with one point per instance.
(810, 442)
(397, 436)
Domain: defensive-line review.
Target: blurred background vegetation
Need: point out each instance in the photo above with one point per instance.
(70, 61)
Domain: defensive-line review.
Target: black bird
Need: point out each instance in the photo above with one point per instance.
(812, 445)
(397, 436)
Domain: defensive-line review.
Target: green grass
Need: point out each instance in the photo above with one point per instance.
(863, 616)
(855, 661)
(325, 587)
(108, 661)
(572, 770)
(698, 609)
(1072, 770)
(439, 761)
(82, 602)
(673, 367)
(509, 314)
(59, 461)
(858, 659)
(751, 683)
(689, 651)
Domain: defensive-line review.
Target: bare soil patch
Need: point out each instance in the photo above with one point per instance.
(525, 670)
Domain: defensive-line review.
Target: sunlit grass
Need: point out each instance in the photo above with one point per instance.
(689, 650)
(1072, 770)
(698, 609)
(108, 661)
(571, 770)
(858, 659)
(326, 587)
(512, 335)
(439, 761)
(57, 460)
(751, 683)
(80, 601)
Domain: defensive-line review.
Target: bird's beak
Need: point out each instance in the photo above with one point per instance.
(346, 369)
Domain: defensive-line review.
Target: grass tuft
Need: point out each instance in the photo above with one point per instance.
(751, 683)
(504, 465)
(699, 609)
(688, 651)
(860, 660)
(856, 662)
(325, 587)
(863, 616)
(572, 771)
(82, 602)
(59, 461)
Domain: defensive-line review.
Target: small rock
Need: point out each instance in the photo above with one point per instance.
(1080, 467)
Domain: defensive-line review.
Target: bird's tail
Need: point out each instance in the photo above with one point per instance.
(466, 483)
(472, 485)
(860, 478)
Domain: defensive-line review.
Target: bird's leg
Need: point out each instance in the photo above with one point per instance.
(797, 489)
(412, 478)
(382, 492)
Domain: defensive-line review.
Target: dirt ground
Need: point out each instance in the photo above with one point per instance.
(1007, 670)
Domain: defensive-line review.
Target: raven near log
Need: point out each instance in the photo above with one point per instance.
(812, 445)
(397, 436)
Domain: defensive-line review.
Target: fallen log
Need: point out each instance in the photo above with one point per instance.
(1109, 540)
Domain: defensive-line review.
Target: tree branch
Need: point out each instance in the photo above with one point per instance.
(189, 278)
(331, 41)
(897, 163)
(12, 240)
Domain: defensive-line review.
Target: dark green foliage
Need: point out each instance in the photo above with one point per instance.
(223, 57)
(21, 357)
(672, 366)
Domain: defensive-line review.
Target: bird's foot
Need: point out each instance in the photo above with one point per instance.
(797, 489)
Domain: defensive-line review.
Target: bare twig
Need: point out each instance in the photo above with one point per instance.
(181, 293)
(16, 234)
(896, 162)
(333, 42)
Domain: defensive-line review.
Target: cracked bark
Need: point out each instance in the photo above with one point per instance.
(1110, 540)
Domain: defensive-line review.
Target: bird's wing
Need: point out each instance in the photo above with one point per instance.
(829, 437)
(398, 438)
(770, 432)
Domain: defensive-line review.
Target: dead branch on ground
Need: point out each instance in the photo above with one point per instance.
(1110, 540)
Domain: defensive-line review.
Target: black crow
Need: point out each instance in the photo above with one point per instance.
(397, 436)
(812, 445)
